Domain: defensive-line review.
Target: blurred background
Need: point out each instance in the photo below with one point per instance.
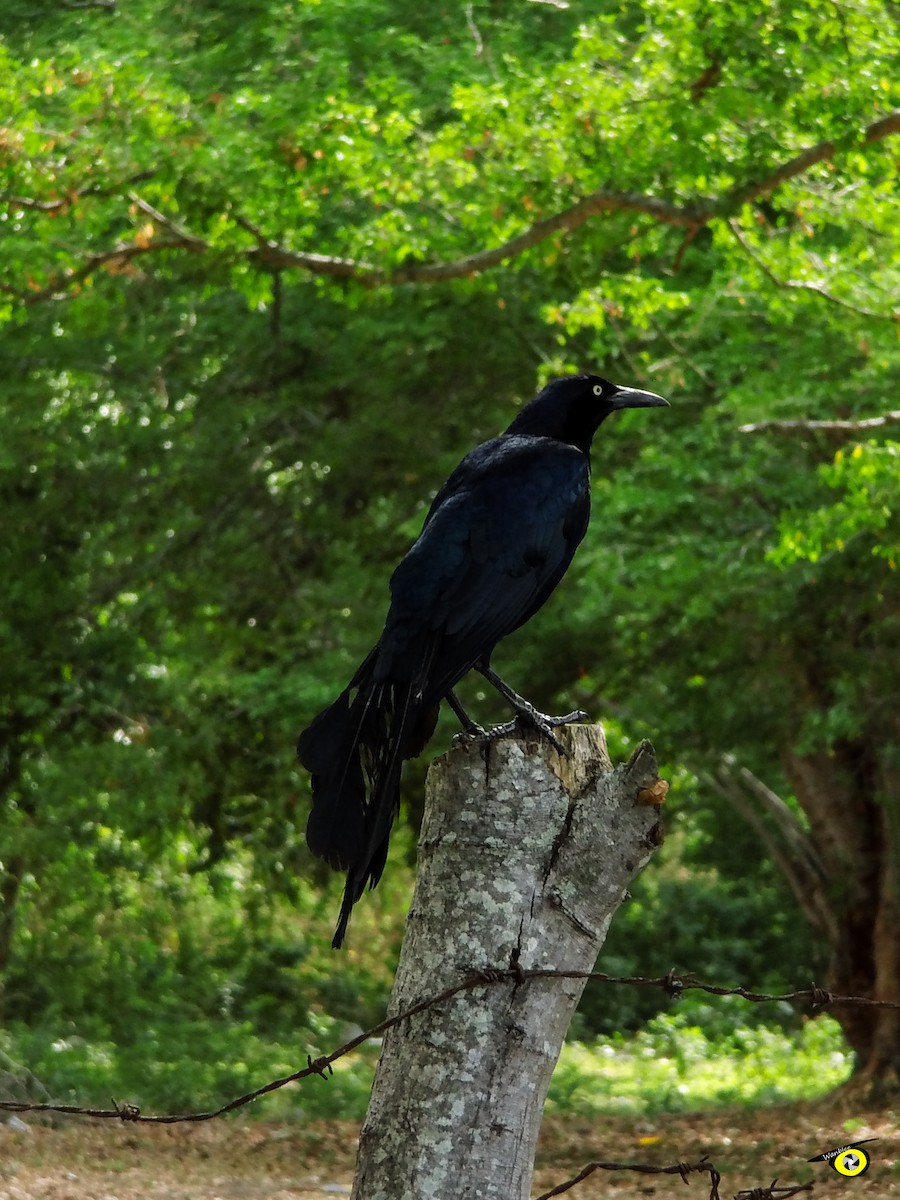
(230, 389)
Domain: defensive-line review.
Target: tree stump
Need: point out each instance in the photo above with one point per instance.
(524, 856)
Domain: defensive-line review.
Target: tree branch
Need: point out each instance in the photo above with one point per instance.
(167, 222)
(800, 163)
(58, 202)
(118, 255)
(686, 216)
(473, 29)
(690, 216)
(837, 426)
(792, 852)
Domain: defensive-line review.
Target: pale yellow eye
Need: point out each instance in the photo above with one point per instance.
(598, 390)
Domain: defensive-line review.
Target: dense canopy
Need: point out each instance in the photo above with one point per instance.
(268, 270)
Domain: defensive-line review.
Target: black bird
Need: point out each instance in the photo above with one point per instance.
(498, 538)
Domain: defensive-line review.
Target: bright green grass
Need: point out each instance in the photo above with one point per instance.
(673, 1066)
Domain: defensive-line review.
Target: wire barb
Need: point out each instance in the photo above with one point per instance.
(673, 985)
(319, 1066)
(126, 1111)
(487, 975)
(819, 997)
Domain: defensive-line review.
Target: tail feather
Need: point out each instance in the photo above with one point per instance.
(368, 873)
(336, 827)
(354, 751)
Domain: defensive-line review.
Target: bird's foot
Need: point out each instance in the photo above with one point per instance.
(528, 717)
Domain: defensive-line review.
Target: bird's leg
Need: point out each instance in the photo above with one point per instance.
(526, 714)
(470, 728)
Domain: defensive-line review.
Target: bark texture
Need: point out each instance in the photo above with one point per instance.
(524, 857)
(853, 804)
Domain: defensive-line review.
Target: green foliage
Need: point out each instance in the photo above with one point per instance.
(193, 1065)
(869, 480)
(212, 458)
(698, 1057)
(729, 923)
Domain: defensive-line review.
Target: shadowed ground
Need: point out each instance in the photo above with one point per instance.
(230, 1161)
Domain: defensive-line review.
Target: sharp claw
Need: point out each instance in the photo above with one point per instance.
(544, 725)
(555, 743)
(571, 718)
(465, 735)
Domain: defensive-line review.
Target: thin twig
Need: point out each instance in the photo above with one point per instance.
(117, 255)
(58, 202)
(836, 426)
(473, 29)
(685, 242)
(804, 285)
(167, 222)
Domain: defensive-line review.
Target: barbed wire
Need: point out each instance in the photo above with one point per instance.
(773, 1192)
(704, 1166)
(673, 984)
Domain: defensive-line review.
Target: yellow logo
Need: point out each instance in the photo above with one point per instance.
(848, 1161)
(851, 1162)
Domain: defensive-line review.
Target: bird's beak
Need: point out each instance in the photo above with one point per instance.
(626, 397)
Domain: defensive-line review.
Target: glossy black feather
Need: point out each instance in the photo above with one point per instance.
(498, 538)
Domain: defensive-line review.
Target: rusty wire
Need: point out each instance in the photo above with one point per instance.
(672, 984)
(704, 1166)
(773, 1192)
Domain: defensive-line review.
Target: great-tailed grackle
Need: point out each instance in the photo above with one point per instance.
(498, 538)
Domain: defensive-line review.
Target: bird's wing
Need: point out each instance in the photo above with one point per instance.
(492, 551)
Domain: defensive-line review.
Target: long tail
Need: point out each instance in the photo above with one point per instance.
(354, 751)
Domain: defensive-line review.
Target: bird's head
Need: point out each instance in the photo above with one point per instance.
(571, 409)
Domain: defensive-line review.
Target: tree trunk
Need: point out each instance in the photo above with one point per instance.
(523, 859)
(852, 805)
